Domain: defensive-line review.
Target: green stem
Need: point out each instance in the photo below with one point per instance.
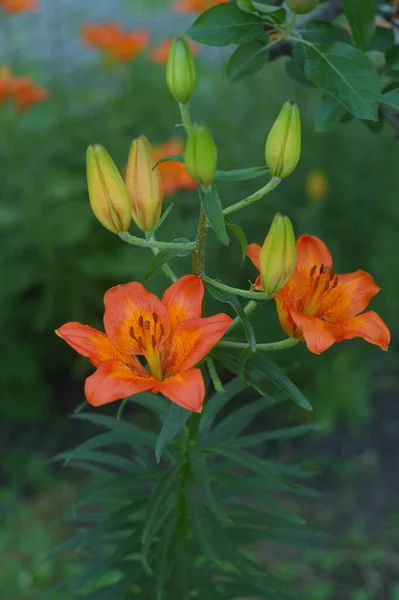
(135, 241)
(268, 346)
(236, 291)
(248, 309)
(166, 268)
(269, 187)
(199, 253)
(217, 384)
(291, 25)
(185, 116)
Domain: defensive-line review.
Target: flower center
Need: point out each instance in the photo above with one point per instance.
(322, 282)
(149, 334)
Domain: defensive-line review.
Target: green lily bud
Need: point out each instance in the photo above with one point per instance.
(277, 258)
(144, 184)
(201, 154)
(283, 144)
(301, 7)
(107, 192)
(181, 76)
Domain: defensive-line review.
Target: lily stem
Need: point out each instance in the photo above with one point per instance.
(166, 268)
(236, 291)
(267, 346)
(266, 189)
(185, 116)
(136, 241)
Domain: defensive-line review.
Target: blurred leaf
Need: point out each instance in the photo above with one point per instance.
(156, 504)
(325, 32)
(347, 74)
(361, 19)
(161, 220)
(214, 212)
(218, 401)
(384, 39)
(203, 478)
(391, 99)
(240, 237)
(174, 157)
(225, 24)
(392, 58)
(242, 361)
(164, 557)
(242, 174)
(232, 425)
(328, 113)
(247, 60)
(174, 422)
(277, 434)
(163, 257)
(223, 296)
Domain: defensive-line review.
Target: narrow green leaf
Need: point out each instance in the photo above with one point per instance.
(328, 113)
(223, 296)
(119, 426)
(277, 434)
(103, 458)
(174, 422)
(247, 60)
(155, 402)
(202, 475)
(245, 459)
(214, 211)
(157, 501)
(218, 401)
(161, 220)
(347, 74)
(164, 557)
(232, 425)
(100, 441)
(176, 157)
(163, 257)
(240, 237)
(242, 174)
(391, 99)
(203, 529)
(361, 19)
(225, 24)
(242, 361)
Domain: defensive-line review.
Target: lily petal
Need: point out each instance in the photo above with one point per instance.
(351, 296)
(183, 300)
(368, 326)
(124, 305)
(318, 334)
(114, 380)
(89, 342)
(192, 340)
(187, 389)
(286, 321)
(253, 251)
(311, 250)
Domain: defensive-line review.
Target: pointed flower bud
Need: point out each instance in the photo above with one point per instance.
(283, 144)
(201, 154)
(301, 7)
(144, 185)
(107, 192)
(181, 76)
(277, 258)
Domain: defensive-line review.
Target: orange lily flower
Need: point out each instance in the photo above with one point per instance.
(174, 174)
(25, 93)
(196, 6)
(321, 307)
(119, 45)
(19, 6)
(160, 52)
(5, 79)
(169, 333)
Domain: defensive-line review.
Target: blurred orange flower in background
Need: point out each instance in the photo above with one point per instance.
(174, 174)
(19, 6)
(197, 6)
(20, 89)
(119, 44)
(160, 52)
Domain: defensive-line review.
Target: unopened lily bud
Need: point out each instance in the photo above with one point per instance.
(283, 144)
(181, 76)
(277, 258)
(144, 185)
(107, 192)
(301, 7)
(201, 154)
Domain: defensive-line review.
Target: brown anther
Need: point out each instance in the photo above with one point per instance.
(312, 270)
(326, 287)
(141, 321)
(153, 341)
(141, 343)
(131, 333)
(321, 269)
(146, 324)
(162, 330)
(155, 317)
(316, 283)
(332, 275)
(335, 283)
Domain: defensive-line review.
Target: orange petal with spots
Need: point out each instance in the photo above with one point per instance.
(89, 342)
(311, 251)
(183, 300)
(351, 296)
(125, 306)
(186, 389)
(368, 326)
(114, 380)
(286, 321)
(192, 340)
(318, 334)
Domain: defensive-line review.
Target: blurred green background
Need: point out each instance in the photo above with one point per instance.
(57, 262)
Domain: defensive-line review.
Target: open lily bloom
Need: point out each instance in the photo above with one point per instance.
(174, 174)
(169, 334)
(119, 44)
(196, 6)
(321, 307)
